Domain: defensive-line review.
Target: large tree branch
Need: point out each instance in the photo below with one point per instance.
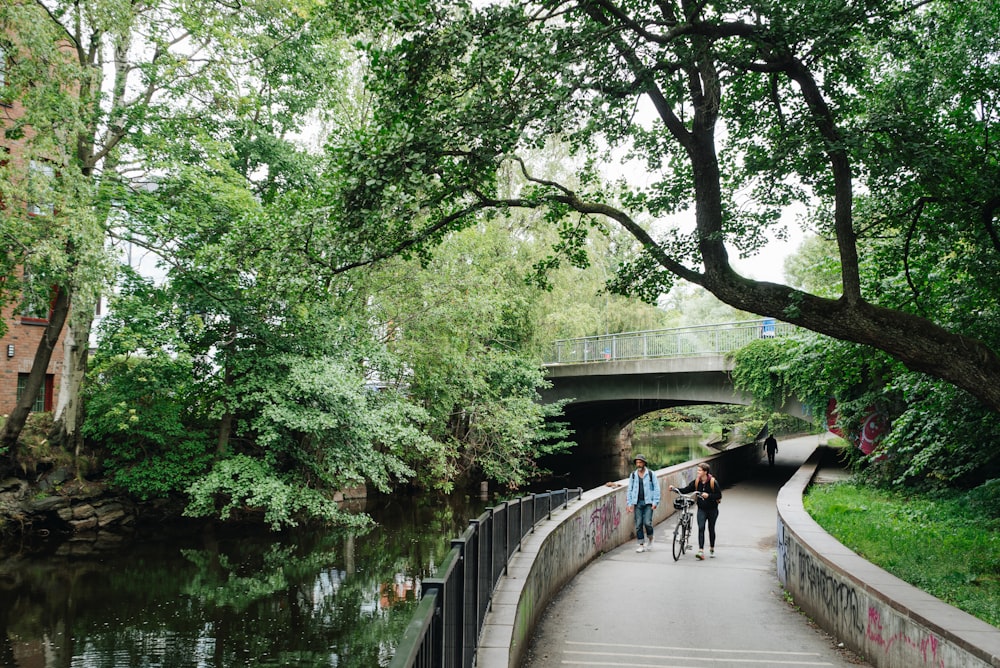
(569, 198)
(843, 216)
(916, 341)
(69, 34)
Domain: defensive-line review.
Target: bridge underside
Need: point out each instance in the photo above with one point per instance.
(604, 398)
(603, 445)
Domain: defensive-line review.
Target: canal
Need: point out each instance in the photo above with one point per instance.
(236, 598)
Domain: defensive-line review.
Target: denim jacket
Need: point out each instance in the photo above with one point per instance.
(651, 493)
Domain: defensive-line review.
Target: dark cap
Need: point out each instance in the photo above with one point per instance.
(638, 457)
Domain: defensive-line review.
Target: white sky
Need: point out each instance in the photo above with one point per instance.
(769, 264)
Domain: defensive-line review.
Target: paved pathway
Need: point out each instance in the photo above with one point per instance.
(648, 611)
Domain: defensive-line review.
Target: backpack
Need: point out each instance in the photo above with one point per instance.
(715, 487)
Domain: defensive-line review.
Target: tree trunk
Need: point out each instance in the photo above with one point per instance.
(76, 352)
(225, 430)
(36, 378)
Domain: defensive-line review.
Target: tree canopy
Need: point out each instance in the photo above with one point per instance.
(648, 141)
(875, 116)
(118, 100)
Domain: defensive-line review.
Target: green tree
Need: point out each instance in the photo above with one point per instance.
(52, 233)
(140, 398)
(579, 302)
(464, 326)
(797, 88)
(110, 94)
(307, 420)
(251, 338)
(814, 267)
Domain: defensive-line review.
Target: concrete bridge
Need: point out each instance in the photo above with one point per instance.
(613, 379)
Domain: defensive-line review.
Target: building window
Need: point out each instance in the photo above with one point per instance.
(43, 402)
(3, 71)
(36, 299)
(40, 182)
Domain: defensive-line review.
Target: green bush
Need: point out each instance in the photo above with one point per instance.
(241, 484)
(138, 415)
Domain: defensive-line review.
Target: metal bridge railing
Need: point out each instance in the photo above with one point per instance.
(444, 630)
(662, 343)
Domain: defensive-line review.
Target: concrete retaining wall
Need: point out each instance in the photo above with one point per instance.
(561, 547)
(889, 622)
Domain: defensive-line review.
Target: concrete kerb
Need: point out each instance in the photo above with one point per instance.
(889, 622)
(562, 546)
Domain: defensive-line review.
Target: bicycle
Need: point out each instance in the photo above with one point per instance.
(682, 532)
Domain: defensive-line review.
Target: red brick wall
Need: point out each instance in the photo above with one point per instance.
(24, 336)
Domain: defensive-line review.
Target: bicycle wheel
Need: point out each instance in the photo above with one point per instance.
(686, 533)
(678, 541)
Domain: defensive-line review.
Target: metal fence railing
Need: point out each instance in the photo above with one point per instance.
(445, 628)
(661, 343)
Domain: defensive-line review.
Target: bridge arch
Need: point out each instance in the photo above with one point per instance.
(606, 394)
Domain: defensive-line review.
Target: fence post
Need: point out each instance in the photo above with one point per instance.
(437, 630)
(464, 641)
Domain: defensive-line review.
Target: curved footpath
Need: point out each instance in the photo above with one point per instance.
(638, 610)
(644, 610)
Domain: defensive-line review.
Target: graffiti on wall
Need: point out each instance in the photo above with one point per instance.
(841, 603)
(782, 554)
(600, 527)
(928, 647)
(839, 600)
(604, 521)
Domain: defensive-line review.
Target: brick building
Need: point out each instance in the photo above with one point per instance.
(17, 348)
(25, 322)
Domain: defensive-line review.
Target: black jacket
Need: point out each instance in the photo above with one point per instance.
(712, 487)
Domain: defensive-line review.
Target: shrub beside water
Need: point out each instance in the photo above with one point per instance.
(947, 544)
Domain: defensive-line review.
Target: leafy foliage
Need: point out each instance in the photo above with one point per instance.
(942, 437)
(938, 436)
(465, 326)
(139, 405)
(295, 382)
(821, 109)
(242, 483)
(317, 418)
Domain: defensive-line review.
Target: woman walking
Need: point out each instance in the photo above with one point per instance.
(709, 493)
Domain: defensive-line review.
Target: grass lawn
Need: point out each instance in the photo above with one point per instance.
(936, 543)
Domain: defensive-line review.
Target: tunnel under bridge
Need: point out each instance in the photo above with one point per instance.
(606, 396)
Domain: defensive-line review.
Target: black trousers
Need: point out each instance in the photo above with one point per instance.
(709, 515)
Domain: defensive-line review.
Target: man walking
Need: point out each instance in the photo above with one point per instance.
(771, 446)
(643, 496)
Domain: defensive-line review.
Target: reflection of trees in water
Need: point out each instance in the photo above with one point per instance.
(308, 597)
(670, 448)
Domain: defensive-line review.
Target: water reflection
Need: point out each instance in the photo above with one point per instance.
(662, 449)
(317, 598)
(227, 599)
(668, 449)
